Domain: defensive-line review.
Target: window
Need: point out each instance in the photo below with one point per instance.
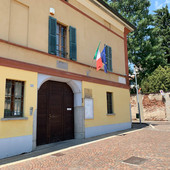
(109, 58)
(109, 103)
(14, 98)
(61, 41)
(57, 40)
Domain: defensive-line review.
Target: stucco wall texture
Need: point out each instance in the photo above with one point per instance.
(120, 109)
(26, 23)
(14, 128)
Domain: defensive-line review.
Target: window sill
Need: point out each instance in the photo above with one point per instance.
(15, 118)
(110, 114)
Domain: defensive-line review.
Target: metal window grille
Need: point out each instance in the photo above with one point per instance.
(109, 103)
(109, 58)
(61, 41)
(14, 99)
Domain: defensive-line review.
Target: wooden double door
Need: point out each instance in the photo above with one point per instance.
(55, 114)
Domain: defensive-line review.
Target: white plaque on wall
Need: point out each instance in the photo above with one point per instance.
(122, 80)
(88, 102)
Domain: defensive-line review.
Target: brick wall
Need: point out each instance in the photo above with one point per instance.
(152, 106)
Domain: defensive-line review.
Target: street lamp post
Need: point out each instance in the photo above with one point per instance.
(137, 94)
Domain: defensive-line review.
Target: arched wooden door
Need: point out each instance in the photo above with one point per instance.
(55, 114)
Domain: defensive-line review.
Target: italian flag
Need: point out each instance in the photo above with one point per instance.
(98, 59)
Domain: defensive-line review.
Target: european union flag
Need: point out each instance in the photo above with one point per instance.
(103, 56)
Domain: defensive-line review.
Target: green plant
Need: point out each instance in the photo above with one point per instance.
(158, 80)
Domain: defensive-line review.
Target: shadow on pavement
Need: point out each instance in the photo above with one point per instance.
(136, 125)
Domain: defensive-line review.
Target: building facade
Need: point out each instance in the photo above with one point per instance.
(49, 87)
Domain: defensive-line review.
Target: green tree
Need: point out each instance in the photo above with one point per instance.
(162, 31)
(142, 44)
(158, 80)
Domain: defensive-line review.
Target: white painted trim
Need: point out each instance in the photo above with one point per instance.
(14, 118)
(75, 85)
(34, 132)
(100, 130)
(15, 146)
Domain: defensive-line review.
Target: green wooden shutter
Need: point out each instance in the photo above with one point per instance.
(52, 35)
(109, 58)
(73, 44)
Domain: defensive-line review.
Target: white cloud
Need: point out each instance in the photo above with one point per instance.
(158, 6)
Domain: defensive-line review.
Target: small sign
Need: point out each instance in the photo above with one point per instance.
(69, 108)
(62, 65)
(122, 80)
(31, 85)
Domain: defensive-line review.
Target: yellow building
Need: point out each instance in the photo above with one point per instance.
(49, 87)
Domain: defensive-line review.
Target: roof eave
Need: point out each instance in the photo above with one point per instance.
(114, 12)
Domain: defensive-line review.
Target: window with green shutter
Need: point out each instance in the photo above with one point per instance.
(109, 57)
(73, 44)
(52, 36)
(58, 40)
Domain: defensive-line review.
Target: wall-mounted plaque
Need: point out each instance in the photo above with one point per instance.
(62, 65)
(89, 113)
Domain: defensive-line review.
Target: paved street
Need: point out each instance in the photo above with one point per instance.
(147, 148)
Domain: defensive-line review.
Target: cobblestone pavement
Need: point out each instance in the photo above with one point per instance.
(151, 143)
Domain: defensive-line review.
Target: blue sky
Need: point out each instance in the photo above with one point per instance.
(157, 4)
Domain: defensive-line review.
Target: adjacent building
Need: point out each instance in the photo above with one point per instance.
(49, 88)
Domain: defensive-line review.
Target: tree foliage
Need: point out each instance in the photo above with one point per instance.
(162, 31)
(143, 47)
(158, 80)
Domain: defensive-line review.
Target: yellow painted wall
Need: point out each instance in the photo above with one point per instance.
(121, 101)
(14, 128)
(34, 34)
(4, 18)
(24, 55)
(18, 28)
(89, 33)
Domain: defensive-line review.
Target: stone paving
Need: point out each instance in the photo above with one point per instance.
(151, 143)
